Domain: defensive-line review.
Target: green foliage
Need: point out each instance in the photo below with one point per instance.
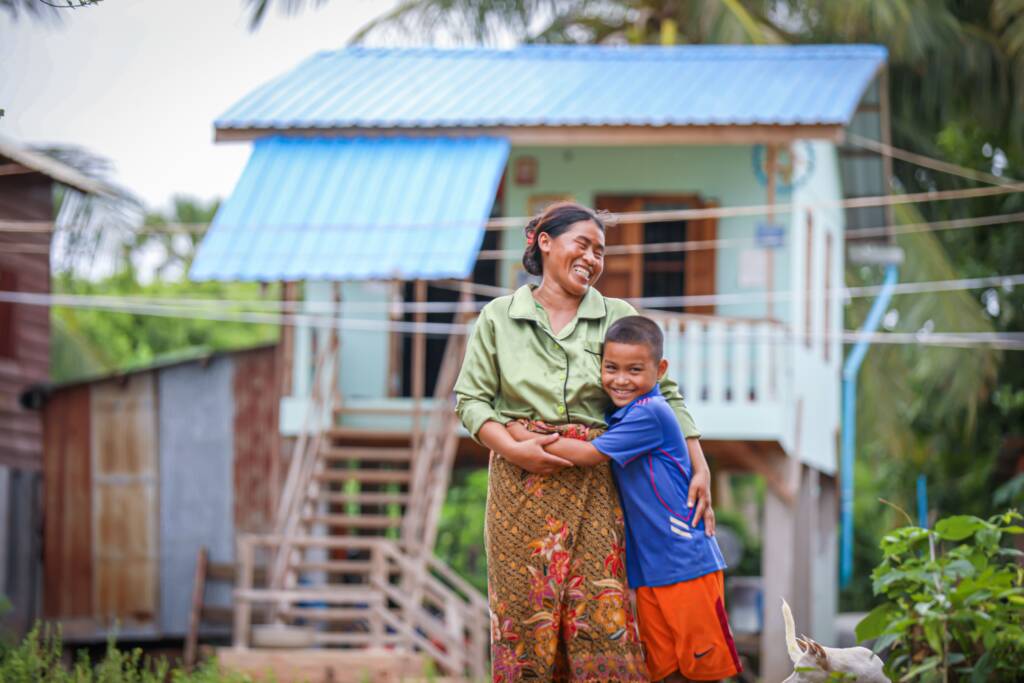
(90, 340)
(39, 659)
(460, 531)
(952, 601)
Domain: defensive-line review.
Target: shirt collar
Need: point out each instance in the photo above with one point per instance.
(524, 306)
(619, 413)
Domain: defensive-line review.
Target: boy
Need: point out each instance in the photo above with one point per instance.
(675, 568)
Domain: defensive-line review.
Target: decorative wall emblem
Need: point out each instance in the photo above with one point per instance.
(793, 165)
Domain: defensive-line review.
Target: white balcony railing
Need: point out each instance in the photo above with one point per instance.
(733, 372)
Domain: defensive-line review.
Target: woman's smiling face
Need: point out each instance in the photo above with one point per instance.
(574, 259)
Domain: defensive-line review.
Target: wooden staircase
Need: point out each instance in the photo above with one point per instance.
(351, 562)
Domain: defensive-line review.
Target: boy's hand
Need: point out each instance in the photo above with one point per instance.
(531, 456)
(700, 494)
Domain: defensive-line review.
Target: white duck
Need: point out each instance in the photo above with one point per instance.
(813, 663)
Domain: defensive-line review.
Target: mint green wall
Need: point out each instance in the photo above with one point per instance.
(364, 353)
(721, 173)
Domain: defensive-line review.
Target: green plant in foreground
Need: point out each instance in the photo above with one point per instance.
(953, 605)
(37, 659)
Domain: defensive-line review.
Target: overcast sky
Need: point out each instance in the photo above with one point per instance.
(141, 81)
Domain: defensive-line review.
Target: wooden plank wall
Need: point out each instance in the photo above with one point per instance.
(124, 511)
(67, 506)
(25, 266)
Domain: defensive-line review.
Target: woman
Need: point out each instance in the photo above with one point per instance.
(555, 573)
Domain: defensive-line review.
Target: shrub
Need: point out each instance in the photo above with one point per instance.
(953, 601)
(38, 659)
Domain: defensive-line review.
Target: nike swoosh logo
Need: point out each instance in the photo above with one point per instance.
(698, 655)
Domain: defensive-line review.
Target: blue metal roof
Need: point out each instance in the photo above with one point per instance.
(564, 85)
(355, 209)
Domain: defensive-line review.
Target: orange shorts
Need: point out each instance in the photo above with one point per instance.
(684, 628)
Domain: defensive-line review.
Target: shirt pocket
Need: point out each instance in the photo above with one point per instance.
(593, 351)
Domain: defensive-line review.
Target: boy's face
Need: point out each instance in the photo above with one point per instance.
(629, 371)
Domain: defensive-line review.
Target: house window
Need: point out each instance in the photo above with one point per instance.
(8, 347)
(808, 275)
(659, 273)
(827, 314)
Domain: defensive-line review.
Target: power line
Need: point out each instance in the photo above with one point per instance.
(926, 161)
(1005, 341)
(660, 216)
(707, 245)
(318, 309)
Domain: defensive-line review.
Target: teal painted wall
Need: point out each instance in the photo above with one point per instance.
(721, 173)
(724, 174)
(364, 353)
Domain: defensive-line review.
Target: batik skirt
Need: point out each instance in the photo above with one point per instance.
(560, 609)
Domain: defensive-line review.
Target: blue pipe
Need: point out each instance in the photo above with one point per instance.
(849, 426)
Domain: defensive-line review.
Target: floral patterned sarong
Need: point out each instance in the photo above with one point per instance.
(556, 576)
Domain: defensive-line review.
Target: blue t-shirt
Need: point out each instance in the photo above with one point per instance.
(653, 472)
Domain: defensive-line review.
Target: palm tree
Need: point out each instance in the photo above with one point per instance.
(42, 9)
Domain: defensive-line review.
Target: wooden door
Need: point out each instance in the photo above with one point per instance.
(623, 276)
(125, 519)
(631, 275)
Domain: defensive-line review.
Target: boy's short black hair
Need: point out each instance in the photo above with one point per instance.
(636, 329)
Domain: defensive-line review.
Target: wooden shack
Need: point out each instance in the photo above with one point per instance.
(141, 470)
(29, 182)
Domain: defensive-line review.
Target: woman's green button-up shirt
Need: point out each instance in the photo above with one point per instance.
(515, 366)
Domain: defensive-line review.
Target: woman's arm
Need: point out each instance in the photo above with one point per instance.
(529, 454)
(580, 453)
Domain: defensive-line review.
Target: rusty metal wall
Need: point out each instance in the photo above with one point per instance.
(257, 468)
(196, 476)
(25, 337)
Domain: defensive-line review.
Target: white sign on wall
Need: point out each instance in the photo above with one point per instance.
(753, 269)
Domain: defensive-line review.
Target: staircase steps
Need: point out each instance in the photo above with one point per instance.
(366, 454)
(363, 475)
(367, 498)
(352, 522)
(340, 433)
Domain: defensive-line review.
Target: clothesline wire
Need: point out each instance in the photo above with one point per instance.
(396, 308)
(1011, 341)
(622, 218)
(202, 309)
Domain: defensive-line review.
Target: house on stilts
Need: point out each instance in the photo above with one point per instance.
(382, 191)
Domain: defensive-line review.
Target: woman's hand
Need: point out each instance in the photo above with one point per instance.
(531, 456)
(700, 495)
(700, 487)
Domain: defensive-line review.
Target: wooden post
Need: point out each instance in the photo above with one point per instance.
(378, 577)
(243, 607)
(195, 616)
(885, 127)
(395, 314)
(778, 564)
(419, 361)
(289, 295)
(335, 345)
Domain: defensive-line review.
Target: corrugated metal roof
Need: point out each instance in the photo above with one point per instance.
(564, 85)
(355, 209)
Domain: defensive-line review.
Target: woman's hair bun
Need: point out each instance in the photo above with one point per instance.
(554, 220)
